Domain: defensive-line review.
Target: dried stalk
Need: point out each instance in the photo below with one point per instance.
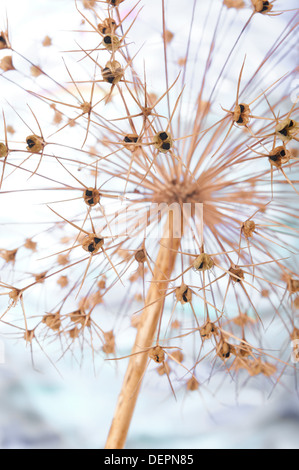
(147, 328)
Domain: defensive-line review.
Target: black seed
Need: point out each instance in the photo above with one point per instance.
(284, 131)
(227, 355)
(291, 123)
(127, 139)
(30, 143)
(104, 30)
(201, 266)
(97, 240)
(91, 201)
(88, 193)
(240, 120)
(91, 247)
(274, 158)
(242, 108)
(163, 135)
(282, 153)
(107, 40)
(166, 146)
(185, 296)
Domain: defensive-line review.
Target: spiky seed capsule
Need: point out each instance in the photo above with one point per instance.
(262, 6)
(35, 144)
(208, 330)
(140, 256)
(163, 142)
(293, 286)
(129, 142)
(248, 228)
(108, 26)
(183, 294)
(113, 72)
(157, 354)
(279, 156)
(203, 262)
(192, 384)
(92, 243)
(225, 350)
(3, 41)
(236, 274)
(287, 129)
(111, 42)
(3, 150)
(241, 114)
(91, 196)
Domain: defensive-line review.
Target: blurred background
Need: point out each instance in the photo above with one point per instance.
(71, 405)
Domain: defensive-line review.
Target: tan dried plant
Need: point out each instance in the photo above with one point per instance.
(172, 183)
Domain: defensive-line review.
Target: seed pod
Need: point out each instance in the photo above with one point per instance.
(163, 142)
(113, 72)
(111, 42)
(236, 274)
(287, 129)
(183, 294)
(108, 26)
(91, 196)
(279, 156)
(248, 228)
(35, 144)
(203, 262)
(157, 354)
(241, 114)
(3, 150)
(261, 6)
(92, 243)
(140, 256)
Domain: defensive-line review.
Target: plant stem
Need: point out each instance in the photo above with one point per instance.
(147, 328)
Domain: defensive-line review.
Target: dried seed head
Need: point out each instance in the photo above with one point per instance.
(53, 321)
(168, 36)
(279, 156)
(63, 281)
(261, 6)
(9, 256)
(108, 26)
(293, 285)
(163, 142)
(258, 367)
(63, 260)
(248, 228)
(35, 144)
(109, 346)
(295, 334)
(4, 43)
(224, 350)
(113, 72)
(140, 256)
(111, 42)
(236, 274)
(241, 114)
(203, 262)
(129, 142)
(47, 41)
(14, 295)
(29, 336)
(183, 294)
(40, 278)
(92, 243)
(79, 316)
(287, 129)
(6, 63)
(36, 71)
(296, 303)
(3, 150)
(91, 196)
(192, 384)
(157, 354)
(86, 107)
(208, 330)
(74, 332)
(30, 245)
